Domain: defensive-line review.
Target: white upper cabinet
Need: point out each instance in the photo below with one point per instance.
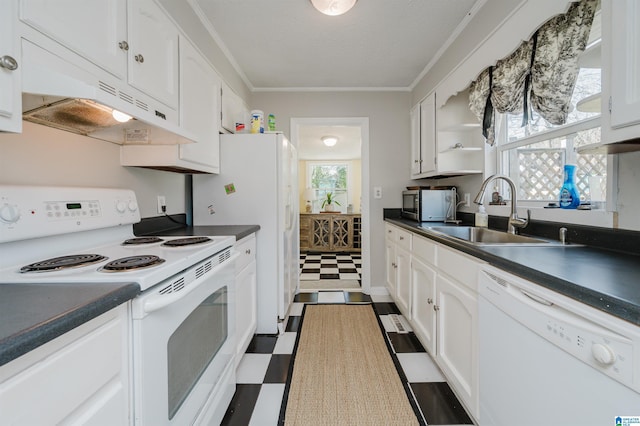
(621, 71)
(133, 40)
(233, 110)
(423, 138)
(95, 30)
(153, 52)
(10, 100)
(199, 108)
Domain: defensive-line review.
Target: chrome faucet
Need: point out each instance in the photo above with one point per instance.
(514, 221)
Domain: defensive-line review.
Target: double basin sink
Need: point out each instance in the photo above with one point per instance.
(489, 237)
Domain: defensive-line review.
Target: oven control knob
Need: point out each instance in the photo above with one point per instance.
(121, 206)
(133, 206)
(603, 354)
(9, 213)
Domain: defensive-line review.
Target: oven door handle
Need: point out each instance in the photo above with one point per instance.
(160, 301)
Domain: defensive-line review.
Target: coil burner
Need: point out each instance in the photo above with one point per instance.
(63, 262)
(138, 241)
(131, 263)
(181, 242)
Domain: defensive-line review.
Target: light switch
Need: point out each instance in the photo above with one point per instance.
(377, 192)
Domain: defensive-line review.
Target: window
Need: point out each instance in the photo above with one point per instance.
(329, 177)
(534, 155)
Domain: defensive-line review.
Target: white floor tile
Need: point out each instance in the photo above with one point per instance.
(296, 309)
(252, 368)
(329, 270)
(349, 276)
(285, 343)
(381, 298)
(267, 409)
(330, 297)
(309, 277)
(419, 367)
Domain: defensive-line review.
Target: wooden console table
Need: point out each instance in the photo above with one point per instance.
(330, 232)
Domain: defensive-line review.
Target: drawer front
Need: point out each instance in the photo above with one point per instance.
(403, 239)
(390, 232)
(459, 266)
(247, 249)
(424, 249)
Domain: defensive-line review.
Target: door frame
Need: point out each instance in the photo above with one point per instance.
(363, 124)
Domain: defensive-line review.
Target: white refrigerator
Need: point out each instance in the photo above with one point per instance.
(258, 185)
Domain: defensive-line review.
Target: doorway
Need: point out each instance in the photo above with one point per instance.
(343, 170)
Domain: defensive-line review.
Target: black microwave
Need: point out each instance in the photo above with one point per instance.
(427, 205)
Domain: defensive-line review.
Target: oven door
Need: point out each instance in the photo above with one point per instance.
(183, 344)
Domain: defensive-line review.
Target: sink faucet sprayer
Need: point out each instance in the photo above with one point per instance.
(514, 220)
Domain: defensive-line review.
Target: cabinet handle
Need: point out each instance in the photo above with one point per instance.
(123, 45)
(401, 238)
(9, 63)
(436, 307)
(429, 301)
(139, 58)
(247, 251)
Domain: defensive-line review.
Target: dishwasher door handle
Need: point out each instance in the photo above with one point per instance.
(535, 298)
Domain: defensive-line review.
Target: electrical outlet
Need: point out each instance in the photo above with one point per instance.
(162, 204)
(467, 199)
(377, 192)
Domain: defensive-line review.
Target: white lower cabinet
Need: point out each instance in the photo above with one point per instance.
(246, 294)
(439, 298)
(81, 377)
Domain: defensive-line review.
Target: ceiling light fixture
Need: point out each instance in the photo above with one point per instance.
(333, 7)
(329, 140)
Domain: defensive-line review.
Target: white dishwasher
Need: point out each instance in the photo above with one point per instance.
(546, 359)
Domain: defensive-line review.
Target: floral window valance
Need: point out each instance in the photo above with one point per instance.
(540, 74)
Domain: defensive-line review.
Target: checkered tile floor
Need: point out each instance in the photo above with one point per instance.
(330, 266)
(263, 371)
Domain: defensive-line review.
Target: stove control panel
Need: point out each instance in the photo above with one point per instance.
(35, 211)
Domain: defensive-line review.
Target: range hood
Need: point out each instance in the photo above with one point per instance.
(59, 94)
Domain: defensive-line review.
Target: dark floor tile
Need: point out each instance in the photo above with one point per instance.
(293, 324)
(241, 406)
(329, 276)
(310, 271)
(405, 343)
(328, 256)
(262, 344)
(306, 298)
(312, 261)
(345, 261)
(385, 308)
(356, 297)
(278, 369)
(439, 404)
(329, 265)
(347, 270)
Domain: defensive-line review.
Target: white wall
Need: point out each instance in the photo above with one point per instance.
(389, 147)
(46, 156)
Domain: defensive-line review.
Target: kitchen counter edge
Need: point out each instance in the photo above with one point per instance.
(605, 302)
(56, 317)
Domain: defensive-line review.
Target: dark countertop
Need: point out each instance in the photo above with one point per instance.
(238, 231)
(604, 279)
(34, 314)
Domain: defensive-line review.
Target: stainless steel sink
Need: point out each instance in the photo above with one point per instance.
(485, 236)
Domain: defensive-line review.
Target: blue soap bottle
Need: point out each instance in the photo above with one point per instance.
(569, 196)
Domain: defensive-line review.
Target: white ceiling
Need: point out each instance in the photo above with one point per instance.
(377, 45)
(311, 147)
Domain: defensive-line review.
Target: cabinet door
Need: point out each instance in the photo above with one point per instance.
(153, 52)
(10, 86)
(625, 62)
(390, 257)
(428, 135)
(341, 233)
(403, 281)
(423, 316)
(458, 338)
(233, 110)
(320, 233)
(199, 96)
(246, 308)
(414, 116)
(96, 30)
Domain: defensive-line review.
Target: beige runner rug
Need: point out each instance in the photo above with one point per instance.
(343, 373)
